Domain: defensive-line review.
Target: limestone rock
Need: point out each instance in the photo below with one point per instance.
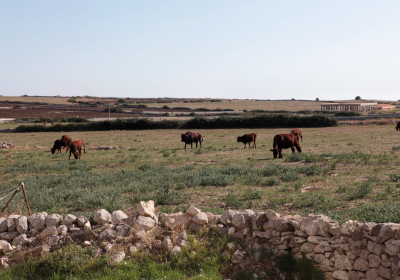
(3, 263)
(122, 230)
(213, 219)
(54, 220)
(19, 239)
(146, 208)
(117, 217)
(176, 250)
(108, 235)
(8, 235)
(361, 264)
(192, 211)
(84, 235)
(200, 218)
(387, 231)
(69, 220)
(3, 224)
(362, 230)
(392, 250)
(258, 220)
(5, 246)
(226, 217)
(340, 274)
(307, 247)
(182, 236)
(374, 260)
(343, 263)
(295, 221)
(167, 243)
(87, 226)
(371, 274)
(133, 249)
(349, 227)
(52, 240)
(117, 257)
(38, 220)
(196, 227)
(52, 230)
(22, 224)
(176, 220)
(38, 251)
(377, 249)
(11, 222)
(279, 224)
(238, 255)
(102, 217)
(241, 220)
(82, 220)
(271, 214)
(385, 272)
(353, 275)
(62, 230)
(145, 223)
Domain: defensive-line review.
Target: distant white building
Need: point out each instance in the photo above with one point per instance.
(349, 107)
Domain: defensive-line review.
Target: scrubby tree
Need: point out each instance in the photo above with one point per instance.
(358, 97)
(317, 99)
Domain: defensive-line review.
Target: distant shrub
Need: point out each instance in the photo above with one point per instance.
(347, 114)
(294, 157)
(252, 194)
(269, 182)
(232, 201)
(313, 169)
(394, 177)
(166, 153)
(289, 176)
(144, 167)
(360, 190)
(261, 121)
(114, 110)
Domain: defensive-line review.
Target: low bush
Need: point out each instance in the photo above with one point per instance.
(262, 121)
(232, 201)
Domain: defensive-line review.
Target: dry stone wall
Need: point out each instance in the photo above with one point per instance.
(350, 251)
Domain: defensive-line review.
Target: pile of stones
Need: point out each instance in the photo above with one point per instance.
(352, 250)
(5, 145)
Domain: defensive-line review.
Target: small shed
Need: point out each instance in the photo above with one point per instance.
(386, 107)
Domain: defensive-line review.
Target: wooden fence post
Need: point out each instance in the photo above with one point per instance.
(26, 198)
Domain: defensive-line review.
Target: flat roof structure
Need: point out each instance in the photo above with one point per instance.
(349, 107)
(386, 107)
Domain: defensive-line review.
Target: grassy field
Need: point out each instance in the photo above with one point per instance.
(50, 99)
(349, 172)
(240, 105)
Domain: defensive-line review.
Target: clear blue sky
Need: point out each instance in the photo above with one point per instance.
(217, 49)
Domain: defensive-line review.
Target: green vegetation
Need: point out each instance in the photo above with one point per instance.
(262, 121)
(358, 182)
(207, 256)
